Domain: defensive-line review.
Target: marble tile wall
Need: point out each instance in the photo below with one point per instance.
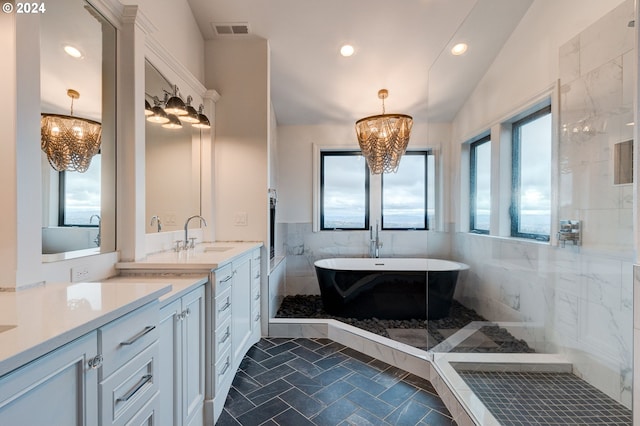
(580, 299)
(563, 300)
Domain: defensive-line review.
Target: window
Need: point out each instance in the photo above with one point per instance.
(480, 186)
(404, 193)
(344, 191)
(431, 190)
(531, 176)
(80, 196)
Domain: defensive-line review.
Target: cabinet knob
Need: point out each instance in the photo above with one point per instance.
(95, 362)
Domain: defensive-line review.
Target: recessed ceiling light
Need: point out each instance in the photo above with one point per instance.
(459, 49)
(347, 50)
(72, 51)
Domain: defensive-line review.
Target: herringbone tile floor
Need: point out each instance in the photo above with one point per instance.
(302, 382)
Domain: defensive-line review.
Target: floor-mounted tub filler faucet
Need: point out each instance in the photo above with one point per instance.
(186, 243)
(374, 242)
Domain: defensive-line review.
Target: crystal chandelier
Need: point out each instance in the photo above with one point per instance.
(383, 138)
(69, 142)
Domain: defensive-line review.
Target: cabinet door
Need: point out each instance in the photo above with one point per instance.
(193, 353)
(169, 339)
(241, 309)
(57, 389)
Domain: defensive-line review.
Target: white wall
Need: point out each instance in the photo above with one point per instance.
(528, 63)
(176, 30)
(239, 71)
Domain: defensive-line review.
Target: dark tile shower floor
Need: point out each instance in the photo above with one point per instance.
(302, 382)
(521, 398)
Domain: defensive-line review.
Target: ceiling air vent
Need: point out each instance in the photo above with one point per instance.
(230, 29)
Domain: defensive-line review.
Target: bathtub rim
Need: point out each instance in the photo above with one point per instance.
(388, 264)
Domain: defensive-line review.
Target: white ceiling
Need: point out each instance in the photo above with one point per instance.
(401, 45)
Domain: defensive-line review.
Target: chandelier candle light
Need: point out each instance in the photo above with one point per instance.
(69, 142)
(384, 138)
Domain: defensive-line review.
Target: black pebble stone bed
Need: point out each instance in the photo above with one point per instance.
(310, 306)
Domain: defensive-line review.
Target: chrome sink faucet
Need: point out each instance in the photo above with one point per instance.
(156, 219)
(374, 241)
(186, 243)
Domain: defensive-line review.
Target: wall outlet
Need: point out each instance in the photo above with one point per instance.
(170, 219)
(80, 273)
(241, 219)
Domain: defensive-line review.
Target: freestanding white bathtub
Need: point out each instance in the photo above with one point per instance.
(387, 288)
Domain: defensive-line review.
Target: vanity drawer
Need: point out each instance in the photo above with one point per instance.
(122, 339)
(223, 369)
(147, 416)
(222, 307)
(255, 312)
(224, 279)
(130, 388)
(222, 340)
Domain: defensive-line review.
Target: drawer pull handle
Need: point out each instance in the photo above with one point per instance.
(225, 337)
(257, 296)
(225, 307)
(227, 278)
(147, 329)
(143, 381)
(226, 367)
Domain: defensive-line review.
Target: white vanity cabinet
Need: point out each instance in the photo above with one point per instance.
(60, 388)
(182, 360)
(255, 294)
(235, 320)
(108, 376)
(241, 307)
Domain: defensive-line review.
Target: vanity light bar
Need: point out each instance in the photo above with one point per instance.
(167, 116)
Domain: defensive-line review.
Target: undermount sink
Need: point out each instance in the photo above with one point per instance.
(6, 327)
(218, 249)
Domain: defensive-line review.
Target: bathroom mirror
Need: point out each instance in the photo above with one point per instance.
(172, 164)
(77, 78)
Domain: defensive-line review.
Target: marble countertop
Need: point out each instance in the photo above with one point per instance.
(37, 320)
(180, 284)
(205, 256)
